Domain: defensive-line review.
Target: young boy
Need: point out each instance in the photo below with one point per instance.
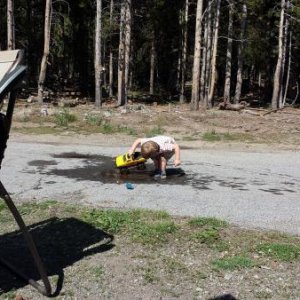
(160, 149)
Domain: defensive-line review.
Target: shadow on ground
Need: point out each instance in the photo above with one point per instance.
(60, 242)
(101, 168)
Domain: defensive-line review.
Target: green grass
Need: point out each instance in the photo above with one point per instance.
(39, 130)
(146, 233)
(98, 272)
(207, 221)
(157, 130)
(127, 130)
(165, 247)
(107, 128)
(109, 220)
(207, 236)
(233, 263)
(149, 275)
(143, 226)
(213, 136)
(31, 207)
(282, 252)
(2, 205)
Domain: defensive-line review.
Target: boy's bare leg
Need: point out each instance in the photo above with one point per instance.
(163, 166)
(156, 163)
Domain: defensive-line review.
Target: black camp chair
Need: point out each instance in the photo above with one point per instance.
(11, 75)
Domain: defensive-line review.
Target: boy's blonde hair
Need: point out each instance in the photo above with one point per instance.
(149, 148)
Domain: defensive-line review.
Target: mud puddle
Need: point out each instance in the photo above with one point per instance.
(102, 169)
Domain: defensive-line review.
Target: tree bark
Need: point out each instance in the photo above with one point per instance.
(208, 55)
(111, 66)
(285, 48)
(128, 21)
(239, 76)
(204, 64)
(227, 84)
(121, 60)
(214, 55)
(10, 25)
(184, 51)
(288, 70)
(278, 71)
(197, 57)
(152, 67)
(47, 32)
(98, 63)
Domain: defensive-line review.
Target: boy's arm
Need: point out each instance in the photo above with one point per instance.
(177, 160)
(134, 146)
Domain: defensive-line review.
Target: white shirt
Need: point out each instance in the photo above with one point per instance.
(166, 143)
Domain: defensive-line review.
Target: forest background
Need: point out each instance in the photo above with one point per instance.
(181, 50)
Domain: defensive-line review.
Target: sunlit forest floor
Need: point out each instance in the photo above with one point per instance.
(247, 127)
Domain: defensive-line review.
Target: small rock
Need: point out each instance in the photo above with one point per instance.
(228, 276)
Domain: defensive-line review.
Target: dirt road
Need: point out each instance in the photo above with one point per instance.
(250, 188)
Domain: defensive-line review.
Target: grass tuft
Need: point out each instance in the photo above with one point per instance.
(153, 233)
(233, 263)
(109, 220)
(64, 117)
(94, 120)
(207, 236)
(207, 221)
(213, 136)
(282, 252)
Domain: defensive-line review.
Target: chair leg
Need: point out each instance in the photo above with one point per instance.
(46, 289)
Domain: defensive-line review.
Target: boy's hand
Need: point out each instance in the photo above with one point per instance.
(130, 152)
(177, 162)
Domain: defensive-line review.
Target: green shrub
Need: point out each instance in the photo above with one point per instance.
(64, 117)
(94, 120)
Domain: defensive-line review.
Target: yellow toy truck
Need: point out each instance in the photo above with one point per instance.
(126, 162)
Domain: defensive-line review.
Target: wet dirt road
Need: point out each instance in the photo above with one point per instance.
(251, 189)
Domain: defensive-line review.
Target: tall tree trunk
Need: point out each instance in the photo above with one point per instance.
(111, 66)
(178, 73)
(288, 70)
(121, 60)
(10, 25)
(203, 66)
(214, 55)
(128, 21)
(47, 32)
(152, 66)
(228, 55)
(184, 51)
(278, 71)
(208, 54)
(239, 76)
(98, 64)
(284, 59)
(197, 57)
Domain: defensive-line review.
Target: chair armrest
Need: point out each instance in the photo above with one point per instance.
(11, 80)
